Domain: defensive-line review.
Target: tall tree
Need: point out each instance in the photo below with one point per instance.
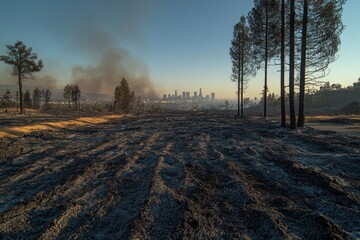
(23, 62)
(36, 98)
(301, 115)
(264, 21)
(244, 64)
(292, 66)
(67, 94)
(75, 96)
(7, 98)
(282, 70)
(122, 96)
(27, 99)
(320, 41)
(47, 98)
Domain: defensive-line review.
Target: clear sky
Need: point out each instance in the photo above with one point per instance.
(177, 44)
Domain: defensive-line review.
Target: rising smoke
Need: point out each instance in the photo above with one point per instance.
(111, 64)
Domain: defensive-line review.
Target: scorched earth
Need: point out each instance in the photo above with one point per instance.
(180, 175)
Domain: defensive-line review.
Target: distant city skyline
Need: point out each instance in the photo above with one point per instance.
(186, 95)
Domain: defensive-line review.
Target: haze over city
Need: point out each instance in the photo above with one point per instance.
(164, 45)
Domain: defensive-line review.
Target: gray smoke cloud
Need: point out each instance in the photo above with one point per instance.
(111, 64)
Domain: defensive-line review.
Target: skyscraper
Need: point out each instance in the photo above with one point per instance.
(200, 94)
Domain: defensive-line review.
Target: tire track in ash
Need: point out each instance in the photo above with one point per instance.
(240, 191)
(129, 191)
(306, 186)
(160, 216)
(48, 190)
(202, 176)
(103, 189)
(323, 193)
(257, 177)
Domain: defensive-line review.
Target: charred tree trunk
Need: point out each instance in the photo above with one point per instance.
(266, 55)
(242, 78)
(238, 90)
(282, 87)
(292, 66)
(21, 94)
(301, 117)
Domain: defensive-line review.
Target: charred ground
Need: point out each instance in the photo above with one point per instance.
(180, 175)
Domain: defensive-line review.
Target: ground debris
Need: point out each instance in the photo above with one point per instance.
(180, 175)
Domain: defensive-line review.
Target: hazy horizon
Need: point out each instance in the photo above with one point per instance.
(158, 45)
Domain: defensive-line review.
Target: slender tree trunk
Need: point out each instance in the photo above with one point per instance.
(238, 90)
(21, 95)
(292, 65)
(242, 81)
(282, 87)
(266, 55)
(301, 117)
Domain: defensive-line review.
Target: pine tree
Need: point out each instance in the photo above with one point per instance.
(292, 66)
(36, 98)
(47, 98)
(122, 96)
(23, 61)
(320, 41)
(27, 99)
(243, 62)
(264, 22)
(68, 93)
(282, 70)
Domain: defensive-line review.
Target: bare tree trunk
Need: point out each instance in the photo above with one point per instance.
(242, 72)
(292, 65)
(301, 117)
(21, 95)
(238, 91)
(266, 55)
(282, 87)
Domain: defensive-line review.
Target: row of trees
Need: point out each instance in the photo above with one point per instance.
(72, 94)
(307, 32)
(35, 100)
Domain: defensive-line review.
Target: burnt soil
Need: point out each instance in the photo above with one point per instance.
(180, 175)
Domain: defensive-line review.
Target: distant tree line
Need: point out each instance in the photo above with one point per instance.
(39, 98)
(305, 32)
(72, 95)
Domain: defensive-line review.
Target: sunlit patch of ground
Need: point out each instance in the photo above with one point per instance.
(344, 124)
(82, 121)
(328, 117)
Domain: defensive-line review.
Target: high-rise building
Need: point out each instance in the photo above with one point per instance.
(175, 93)
(164, 96)
(187, 95)
(212, 96)
(183, 95)
(200, 94)
(195, 95)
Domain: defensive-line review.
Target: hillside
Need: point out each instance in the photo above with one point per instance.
(180, 175)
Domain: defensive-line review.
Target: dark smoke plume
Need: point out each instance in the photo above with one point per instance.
(112, 63)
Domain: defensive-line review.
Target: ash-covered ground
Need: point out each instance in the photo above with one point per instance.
(180, 175)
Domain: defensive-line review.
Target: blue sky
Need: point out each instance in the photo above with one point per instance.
(183, 44)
